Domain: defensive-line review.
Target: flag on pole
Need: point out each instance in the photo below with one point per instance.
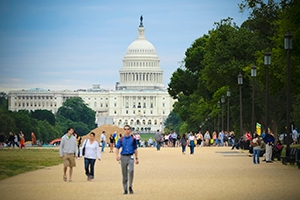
(258, 128)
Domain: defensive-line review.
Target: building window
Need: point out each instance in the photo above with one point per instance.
(125, 122)
(126, 105)
(120, 122)
(151, 112)
(163, 105)
(155, 122)
(151, 105)
(115, 104)
(131, 122)
(115, 112)
(144, 105)
(106, 105)
(144, 122)
(134, 112)
(133, 105)
(139, 106)
(126, 111)
(149, 122)
(95, 104)
(101, 105)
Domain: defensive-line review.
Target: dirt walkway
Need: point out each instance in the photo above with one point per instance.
(212, 173)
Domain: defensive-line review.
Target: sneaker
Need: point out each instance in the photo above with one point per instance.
(125, 192)
(130, 190)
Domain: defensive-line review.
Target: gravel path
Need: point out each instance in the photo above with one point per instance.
(211, 173)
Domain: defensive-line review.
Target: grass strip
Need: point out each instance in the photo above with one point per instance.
(17, 161)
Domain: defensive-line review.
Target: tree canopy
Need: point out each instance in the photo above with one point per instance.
(214, 60)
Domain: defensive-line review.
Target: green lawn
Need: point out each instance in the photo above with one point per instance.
(146, 136)
(17, 161)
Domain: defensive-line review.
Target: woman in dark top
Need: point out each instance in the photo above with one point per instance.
(111, 143)
(183, 142)
(11, 140)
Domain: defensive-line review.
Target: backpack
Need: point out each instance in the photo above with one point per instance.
(257, 143)
(133, 139)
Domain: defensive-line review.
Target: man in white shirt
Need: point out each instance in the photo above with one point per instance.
(103, 141)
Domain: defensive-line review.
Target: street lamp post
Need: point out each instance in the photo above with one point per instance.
(218, 117)
(240, 82)
(228, 97)
(253, 75)
(288, 45)
(222, 101)
(267, 61)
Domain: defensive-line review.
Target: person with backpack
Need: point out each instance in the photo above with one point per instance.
(129, 147)
(256, 149)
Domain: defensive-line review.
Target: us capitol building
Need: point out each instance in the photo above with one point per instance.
(139, 99)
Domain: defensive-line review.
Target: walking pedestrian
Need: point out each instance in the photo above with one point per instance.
(158, 139)
(138, 138)
(103, 141)
(90, 151)
(68, 151)
(183, 143)
(111, 143)
(174, 138)
(129, 147)
(191, 142)
(22, 140)
(16, 140)
(11, 140)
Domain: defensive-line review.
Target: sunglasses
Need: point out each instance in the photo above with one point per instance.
(126, 129)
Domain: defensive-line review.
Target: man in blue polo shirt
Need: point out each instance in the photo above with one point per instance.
(129, 147)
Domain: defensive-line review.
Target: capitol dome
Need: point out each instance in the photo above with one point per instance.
(141, 65)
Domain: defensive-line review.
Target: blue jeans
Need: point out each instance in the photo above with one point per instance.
(89, 167)
(183, 148)
(158, 146)
(192, 146)
(103, 145)
(256, 154)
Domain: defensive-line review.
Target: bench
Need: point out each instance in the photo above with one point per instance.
(277, 154)
(292, 158)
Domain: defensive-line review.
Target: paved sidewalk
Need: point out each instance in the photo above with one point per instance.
(212, 173)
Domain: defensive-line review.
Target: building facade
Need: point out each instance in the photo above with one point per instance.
(140, 98)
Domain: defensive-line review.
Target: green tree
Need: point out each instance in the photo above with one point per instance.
(75, 112)
(44, 115)
(172, 123)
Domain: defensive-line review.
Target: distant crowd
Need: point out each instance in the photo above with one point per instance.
(13, 140)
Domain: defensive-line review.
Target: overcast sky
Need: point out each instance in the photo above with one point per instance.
(62, 44)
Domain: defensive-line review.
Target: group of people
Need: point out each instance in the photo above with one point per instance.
(90, 150)
(13, 140)
(264, 145)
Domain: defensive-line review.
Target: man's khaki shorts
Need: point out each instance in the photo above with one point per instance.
(69, 160)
